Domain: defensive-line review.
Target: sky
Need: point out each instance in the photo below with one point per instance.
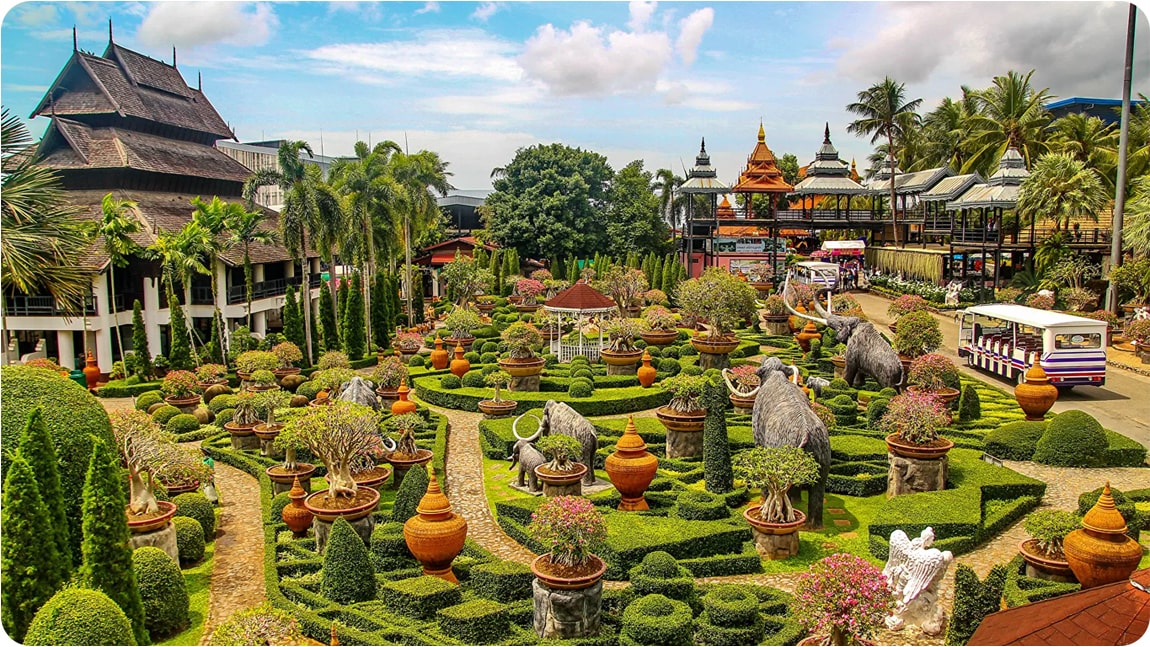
(475, 81)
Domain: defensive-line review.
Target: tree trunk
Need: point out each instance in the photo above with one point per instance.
(369, 270)
(142, 500)
(289, 459)
(340, 481)
(248, 283)
(893, 166)
(407, 268)
(112, 308)
(306, 291)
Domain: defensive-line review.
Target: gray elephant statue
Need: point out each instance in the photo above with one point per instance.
(559, 418)
(359, 391)
(782, 417)
(527, 457)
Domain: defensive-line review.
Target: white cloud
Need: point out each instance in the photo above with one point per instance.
(189, 24)
(641, 12)
(704, 95)
(34, 14)
(587, 61)
(428, 7)
(486, 10)
(691, 31)
(442, 52)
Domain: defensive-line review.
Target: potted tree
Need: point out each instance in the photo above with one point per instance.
(934, 374)
(804, 298)
(251, 361)
(179, 389)
(402, 453)
(330, 383)
(761, 277)
(570, 530)
(388, 375)
(332, 359)
(465, 278)
(842, 600)
(338, 434)
(287, 354)
(917, 335)
(263, 380)
(684, 412)
(461, 321)
(497, 406)
(528, 290)
(266, 404)
(246, 416)
(521, 340)
(283, 475)
(621, 334)
(149, 455)
(912, 422)
(561, 475)
(1043, 551)
(1138, 332)
(209, 375)
(1134, 276)
(775, 314)
(1040, 301)
(408, 344)
(742, 382)
(656, 297)
(486, 303)
(548, 324)
(904, 304)
(625, 286)
(773, 471)
(724, 302)
(659, 326)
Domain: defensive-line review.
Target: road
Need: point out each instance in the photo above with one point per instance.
(1123, 405)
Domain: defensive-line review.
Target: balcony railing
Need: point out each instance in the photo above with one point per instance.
(42, 306)
(272, 288)
(124, 301)
(202, 295)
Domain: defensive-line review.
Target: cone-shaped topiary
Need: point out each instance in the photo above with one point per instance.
(31, 568)
(162, 589)
(141, 356)
(80, 617)
(107, 562)
(717, 471)
(411, 490)
(36, 447)
(969, 406)
(189, 539)
(973, 601)
(180, 353)
(347, 569)
(380, 337)
(196, 506)
(1072, 439)
(354, 336)
(293, 319)
(327, 320)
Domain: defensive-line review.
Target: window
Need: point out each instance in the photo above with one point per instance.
(1078, 340)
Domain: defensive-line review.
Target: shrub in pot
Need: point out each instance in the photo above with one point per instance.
(934, 373)
(570, 530)
(773, 471)
(685, 390)
(1047, 529)
(918, 334)
(561, 452)
(844, 598)
(720, 298)
(625, 286)
(333, 359)
(180, 385)
(389, 373)
(461, 321)
(621, 334)
(251, 361)
(211, 373)
(905, 304)
(915, 420)
(287, 354)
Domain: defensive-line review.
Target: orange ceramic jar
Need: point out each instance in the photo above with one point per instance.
(439, 356)
(435, 536)
(460, 366)
(646, 372)
(631, 468)
(1036, 394)
(402, 405)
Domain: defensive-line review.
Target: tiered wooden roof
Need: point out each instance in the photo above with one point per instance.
(725, 210)
(762, 174)
(580, 298)
(1001, 190)
(828, 174)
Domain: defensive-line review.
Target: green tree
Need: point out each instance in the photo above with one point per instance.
(141, 356)
(1136, 226)
(247, 228)
(633, 217)
(423, 177)
(380, 336)
(885, 113)
(212, 219)
(345, 563)
(668, 282)
(947, 130)
(344, 291)
(293, 319)
(672, 204)
(32, 569)
(116, 226)
(1061, 188)
(36, 447)
(551, 199)
(214, 351)
(354, 340)
(973, 601)
(327, 320)
(180, 349)
(179, 257)
(717, 472)
(107, 564)
(1011, 113)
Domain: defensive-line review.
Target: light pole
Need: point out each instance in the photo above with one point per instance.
(1120, 184)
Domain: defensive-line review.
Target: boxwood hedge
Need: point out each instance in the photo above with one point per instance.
(477, 622)
(656, 620)
(420, 597)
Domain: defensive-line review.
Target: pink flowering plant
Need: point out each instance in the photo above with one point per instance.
(287, 354)
(658, 318)
(1040, 301)
(180, 384)
(569, 527)
(746, 379)
(210, 372)
(541, 275)
(521, 339)
(1139, 330)
(915, 417)
(932, 372)
(408, 342)
(904, 304)
(389, 373)
(844, 598)
(43, 362)
(529, 289)
(655, 297)
(802, 292)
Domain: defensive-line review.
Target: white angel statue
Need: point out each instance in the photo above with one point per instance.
(915, 571)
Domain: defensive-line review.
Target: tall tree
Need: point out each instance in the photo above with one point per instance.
(180, 348)
(380, 336)
(293, 318)
(1136, 226)
(327, 323)
(116, 226)
(947, 131)
(424, 177)
(1059, 189)
(36, 447)
(141, 356)
(885, 113)
(354, 338)
(1011, 113)
(633, 213)
(32, 569)
(1087, 139)
(212, 218)
(246, 228)
(671, 203)
(179, 259)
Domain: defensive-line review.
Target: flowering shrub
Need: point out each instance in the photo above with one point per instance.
(561, 450)
(685, 391)
(904, 304)
(825, 415)
(529, 289)
(569, 527)
(333, 379)
(1049, 527)
(287, 353)
(760, 272)
(775, 305)
(264, 378)
(655, 297)
(802, 292)
(255, 360)
(847, 306)
(1040, 301)
(932, 372)
(408, 342)
(487, 299)
(624, 285)
(43, 362)
(1080, 298)
(333, 359)
(389, 373)
(720, 298)
(773, 470)
(521, 339)
(541, 275)
(180, 384)
(1139, 330)
(925, 289)
(843, 596)
(210, 372)
(918, 333)
(746, 379)
(621, 333)
(659, 318)
(915, 417)
(1112, 320)
(461, 321)
(1008, 295)
(261, 625)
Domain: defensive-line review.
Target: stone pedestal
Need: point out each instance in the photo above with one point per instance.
(910, 475)
(776, 546)
(278, 487)
(246, 442)
(709, 360)
(777, 329)
(322, 529)
(684, 444)
(1042, 574)
(840, 372)
(267, 448)
(629, 369)
(744, 410)
(566, 614)
(164, 539)
(525, 383)
(574, 489)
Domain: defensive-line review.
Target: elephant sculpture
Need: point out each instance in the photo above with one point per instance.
(816, 384)
(359, 391)
(527, 457)
(782, 417)
(561, 419)
(868, 353)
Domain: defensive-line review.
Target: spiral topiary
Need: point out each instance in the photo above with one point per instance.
(163, 590)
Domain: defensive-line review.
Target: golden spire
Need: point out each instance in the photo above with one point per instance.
(762, 133)
(631, 441)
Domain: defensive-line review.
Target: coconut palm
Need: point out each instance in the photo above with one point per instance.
(212, 218)
(670, 202)
(1136, 225)
(1087, 139)
(1011, 113)
(246, 228)
(1061, 188)
(885, 113)
(422, 176)
(116, 228)
(946, 129)
(180, 256)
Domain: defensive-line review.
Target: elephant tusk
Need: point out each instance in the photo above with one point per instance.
(392, 446)
(787, 303)
(515, 427)
(750, 394)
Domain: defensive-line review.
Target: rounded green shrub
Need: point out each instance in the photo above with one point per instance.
(145, 400)
(471, 356)
(639, 343)
(226, 401)
(189, 539)
(224, 417)
(345, 563)
(579, 389)
(489, 369)
(162, 589)
(488, 358)
(580, 358)
(473, 380)
(656, 620)
(697, 505)
(489, 347)
(654, 352)
(886, 392)
(969, 406)
(875, 410)
(671, 352)
(196, 506)
(660, 573)
(279, 502)
(164, 414)
(417, 360)
(584, 372)
(671, 366)
(1015, 441)
(450, 382)
(731, 605)
(1072, 439)
(308, 389)
(80, 617)
(182, 424)
(688, 350)
(692, 369)
(550, 360)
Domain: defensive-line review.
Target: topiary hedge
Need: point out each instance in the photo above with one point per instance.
(660, 573)
(606, 401)
(699, 505)
(147, 399)
(164, 414)
(411, 490)
(580, 389)
(162, 589)
(473, 380)
(502, 581)
(308, 389)
(1019, 589)
(656, 620)
(449, 382)
(80, 617)
(477, 622)
(196, 506)
(1072, 439)
(973, 601)
(730, 617)
(189, 540)
(969, 405)
(1015, 441)
(346, 566)
(389, 547)
(225, 401)
(182, 424)
(420, 597)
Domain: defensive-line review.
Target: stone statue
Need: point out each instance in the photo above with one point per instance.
(952, 290)
(915, 571)
(359, 391)
(559, 418)
(527, 457)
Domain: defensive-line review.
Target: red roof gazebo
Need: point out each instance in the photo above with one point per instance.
(577, 302)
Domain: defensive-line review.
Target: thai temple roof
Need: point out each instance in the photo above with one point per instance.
(1001, 190)
(762, 174)
(951, 187)
(703, 178)
(828, 174)
(725, 209)
(884, 172)
(912, 183)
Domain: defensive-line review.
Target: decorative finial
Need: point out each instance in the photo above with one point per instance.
(173, 56)
(827, 133)
(703, 145)
(75, 42)
(109, 31)
(762, 133)
(334, 638)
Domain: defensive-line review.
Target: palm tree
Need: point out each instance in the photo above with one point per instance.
(116, 228)
(670, 203)
(946, 130)
(884, 112)
(245, 228)
(1136, 226)
(1088, 139)
(422, 176)
(212, 218)
(1011, 113)
(180, 258)
(1061, 188)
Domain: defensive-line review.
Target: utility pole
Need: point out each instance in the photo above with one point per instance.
(1120, 185)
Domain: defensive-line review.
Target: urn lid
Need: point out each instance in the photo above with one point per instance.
(646, 356)
(1035, 375)
(438, 342)
(1104, 517)
(297, 491)
(631, 441)
(434, 503)
(403, 390)
(458, 350)
(810, 327)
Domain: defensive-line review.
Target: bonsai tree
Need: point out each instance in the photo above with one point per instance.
(408, 342)
(624, 285)
(528, 289)
(1048, 528)
(905, 304)
(560, 450)
(466, 278)
(659, 319)
(915, 417)
(461, 321)
(773, 470)
(775, 305)
(289, 442)
(933, 372)
(621, 334)
(844, 598)
(211, 372)
(685, 392)
(150, 456)
(497, 380)
(542, 275)
(266, 403)
(246, 414)
(333, 359)
(264, 377)
(251, 361)
(1134, 275)
(521, 340)
(655, 297)
(389, 373)
(405, 427)
(760, 272)
(333, 379)
(918, 333)
(746, 379)
(720, 298)
(1139, 331)
(338, 434)
(1079, 299)
(570, 529)
(1040, 301)
(287, 354)
(180, 384)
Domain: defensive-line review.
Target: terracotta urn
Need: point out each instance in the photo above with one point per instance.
(795, 322)
(621, 358)
(631, 468)
(646, 372)
(435, 536)
(752, 517)
(1100, 552)
(295, 515)
(148, 524)
(403, 405)
(681, 420)
(1035, 394)
(91, 370)
(937, 448)
(460, 366)
(808, 333)
(439, 356)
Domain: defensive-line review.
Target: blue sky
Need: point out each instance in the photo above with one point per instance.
(475, 81)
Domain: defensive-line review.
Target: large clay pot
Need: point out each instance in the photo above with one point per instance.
(623, 358)
(303, 472)
(91, 370)
(936, 449)
(741, 401)
(265, 431)
(466, 341)
(387, 393)
(403, 405)
(182, 487)
(646, 373)
(565, 484)
(594, 569)
(714, 346)
(496, 409)
(751, 515)
(946, 394)
(516, 367)
(239, 430)
(1035, 394)
(808, 333)
(183, 403)
(435, 536)
(631, 468)
(281, 373)
(460, 366)
(297, 517)
(681, 421)
(796, 322)
(315, 503)
(140, 526)
(402, 465)
(1101, 552)
(1034, 556)
(659, 337)
(524, 307)
(485, 308)
(840, 364)
(439, 356)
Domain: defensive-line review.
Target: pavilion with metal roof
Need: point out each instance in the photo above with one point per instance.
(828, 175)
(702, 179)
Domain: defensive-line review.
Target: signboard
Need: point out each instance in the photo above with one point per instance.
(749, 245)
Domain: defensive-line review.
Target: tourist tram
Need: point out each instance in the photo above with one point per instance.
(1007, 339)
(817, 274)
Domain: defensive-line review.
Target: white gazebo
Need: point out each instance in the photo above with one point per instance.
(579, 304)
